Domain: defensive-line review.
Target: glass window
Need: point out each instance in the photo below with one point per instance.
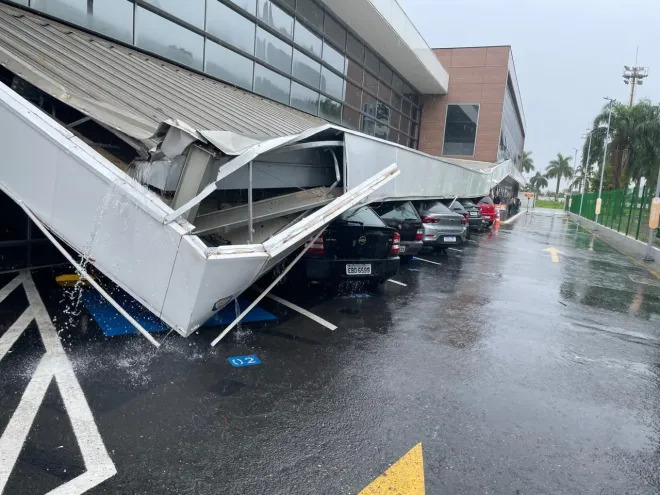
(368, 104)
(180, 44)
(230, 26)
(355, 47)
(403, 139)
(385, 73)
(397, 210)
(353, 95)
(406, 107)
(306, 69)
(414, 131)
(273, 50)
(304, 98)
(332, 84)
(371, 60)
(434, 207)
(332, 57)
(397, 83)
(381, 130)
(394, 136)
(335, 31)
(396, 101)
(351, 118)
(228, 65)
(112, 18)
(249, 5)
(310, 11)
(354, 71)
(368, 125)
(461, 129)
(370, 83)
(384, 93)
(191, 11)
(271, 85)
(404, 126)
(364, 215)
(408, 91)
(290, 3)
(330, 109)
(395, 119)
(305, 38)
(270, 13)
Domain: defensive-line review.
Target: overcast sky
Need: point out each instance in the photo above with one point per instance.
(569, 54)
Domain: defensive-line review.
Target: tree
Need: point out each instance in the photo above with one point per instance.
(527, 162)
(630, 154)
(538, 182)
(560, 168)
(580, 176)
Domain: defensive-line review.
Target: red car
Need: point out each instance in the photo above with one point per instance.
(488, 212)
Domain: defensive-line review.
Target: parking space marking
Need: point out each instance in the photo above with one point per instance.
(15, 331)
(53, 365)
(404, 476)
(397, 282)
(9, 288)
(302, 311)
(427, 261)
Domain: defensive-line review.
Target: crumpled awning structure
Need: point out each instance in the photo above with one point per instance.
(203, 135)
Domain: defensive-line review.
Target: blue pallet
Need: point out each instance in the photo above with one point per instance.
(112, 323)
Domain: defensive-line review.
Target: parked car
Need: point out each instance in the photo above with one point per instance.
(357, 245)
(488, 211)
(442, 227)
(402, 216)
(475, 220)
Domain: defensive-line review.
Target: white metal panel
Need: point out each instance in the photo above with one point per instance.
(422, 176)
(384, 25)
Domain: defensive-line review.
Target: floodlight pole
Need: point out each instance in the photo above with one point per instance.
(602, 170)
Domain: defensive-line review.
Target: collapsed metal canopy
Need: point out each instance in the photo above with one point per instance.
(128, 90)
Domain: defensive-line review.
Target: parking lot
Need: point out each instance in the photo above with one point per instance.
(518, 369)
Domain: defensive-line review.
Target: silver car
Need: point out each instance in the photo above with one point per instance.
(442, 227)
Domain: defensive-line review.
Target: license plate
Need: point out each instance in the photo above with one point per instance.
(450, 238)
(402, 249)
(363, 269)
(473, 213)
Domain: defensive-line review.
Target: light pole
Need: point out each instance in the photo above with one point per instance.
(585, 172)
(599, 201)
(634, 76)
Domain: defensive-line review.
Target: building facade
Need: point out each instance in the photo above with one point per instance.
(480, 117)
(297, 52)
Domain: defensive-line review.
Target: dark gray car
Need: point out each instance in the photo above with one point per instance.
(475, 219)
(442, 227)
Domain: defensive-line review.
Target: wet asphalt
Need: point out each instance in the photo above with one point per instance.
(517, 375)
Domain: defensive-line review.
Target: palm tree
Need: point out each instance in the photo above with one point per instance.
(560, 168)
(538, 182)
(580, 174)
(527, 162)
(628, 152)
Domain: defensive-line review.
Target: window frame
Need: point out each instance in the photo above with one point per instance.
(444, 136)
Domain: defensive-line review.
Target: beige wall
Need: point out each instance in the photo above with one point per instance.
(476, 76)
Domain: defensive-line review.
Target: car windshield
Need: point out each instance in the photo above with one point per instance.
(398, 211)
(487, 200)
(467, 203)
(435, 208)
(363, 215)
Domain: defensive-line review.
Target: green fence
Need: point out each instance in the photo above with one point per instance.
(624, 210)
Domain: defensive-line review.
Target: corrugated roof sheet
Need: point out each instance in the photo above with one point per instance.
(129, 90)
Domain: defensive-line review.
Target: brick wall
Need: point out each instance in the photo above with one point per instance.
(476, 76)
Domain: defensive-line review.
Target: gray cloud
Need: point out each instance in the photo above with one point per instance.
(569, 54)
